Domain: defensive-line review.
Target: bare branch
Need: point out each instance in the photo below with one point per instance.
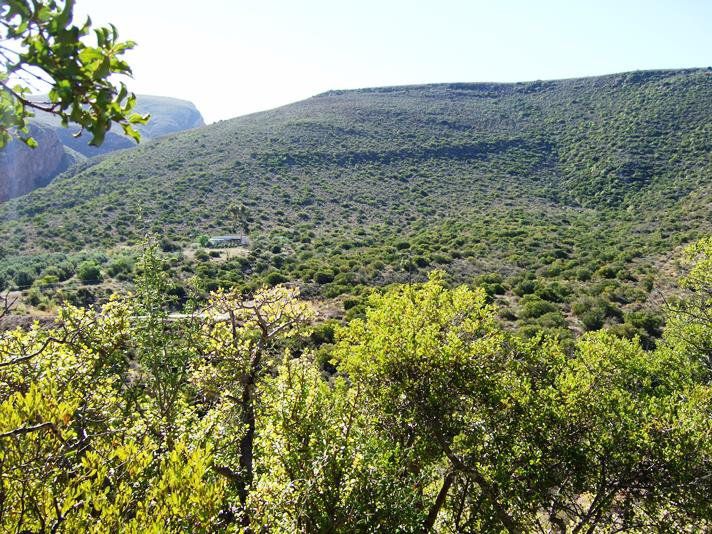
(6, 304)
(33, 428)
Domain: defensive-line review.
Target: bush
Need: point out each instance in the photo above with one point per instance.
(275, 278)
(350, 303)
(168, 246)
(553, 292)
(46, 282)
(534, 306)
(88, 272)
(593, 319)
(420, 261)
(525, 287)
(120, 265)
(24, 279)
(323, 278)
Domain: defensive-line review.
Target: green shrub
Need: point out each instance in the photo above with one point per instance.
(323, 278)
(120, 265)
(24, 279)
(534, 306)
(275, 278)
(593, 319)
(89, 272)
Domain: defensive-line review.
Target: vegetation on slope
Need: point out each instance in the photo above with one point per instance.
(561, 198)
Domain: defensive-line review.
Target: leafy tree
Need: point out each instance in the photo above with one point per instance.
(515, 435)
(242, 338)
(41, 44)
(689, 326)
(240, 218)
(132, 418)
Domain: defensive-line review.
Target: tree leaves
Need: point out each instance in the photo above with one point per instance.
(51, 48)
(133, 418)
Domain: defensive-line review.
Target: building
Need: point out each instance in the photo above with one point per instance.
(222, 241)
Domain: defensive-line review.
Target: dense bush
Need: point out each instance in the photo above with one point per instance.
(89, 272)
(424, 415)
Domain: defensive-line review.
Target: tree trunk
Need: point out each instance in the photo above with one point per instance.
(439, 501)
(247, 418)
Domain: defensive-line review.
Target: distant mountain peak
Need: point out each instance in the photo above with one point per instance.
(23, 169)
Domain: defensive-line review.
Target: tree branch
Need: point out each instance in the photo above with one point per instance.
(439, 501)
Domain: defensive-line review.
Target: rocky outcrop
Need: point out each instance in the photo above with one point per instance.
(168, 115)
(23, 169)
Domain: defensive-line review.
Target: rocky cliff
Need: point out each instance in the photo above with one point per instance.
(23, 169)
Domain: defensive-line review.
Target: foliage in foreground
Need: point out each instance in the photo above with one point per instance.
(40, 42)
(129, 418)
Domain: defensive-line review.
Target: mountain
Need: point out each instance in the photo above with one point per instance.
(23, 169)
(564, 198)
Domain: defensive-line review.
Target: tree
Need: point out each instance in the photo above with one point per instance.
(131, 418)
(240, 217)
(689, 326)
(40, 45)
(242, 338)
(515, 435)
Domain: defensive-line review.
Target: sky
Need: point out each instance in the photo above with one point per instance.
(234, 57)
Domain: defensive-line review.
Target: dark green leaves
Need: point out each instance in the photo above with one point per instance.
(78, 71)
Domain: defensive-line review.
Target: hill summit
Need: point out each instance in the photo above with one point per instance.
(548, 192)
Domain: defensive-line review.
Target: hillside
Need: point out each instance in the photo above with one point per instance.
(562, 197)
(23, 169)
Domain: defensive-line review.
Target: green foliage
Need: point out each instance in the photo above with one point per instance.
(275, 278)
(535, 306)
(689, 324)
(89, 272)
(567, 190)
(133, 418)
(44, 40)
(537, 440)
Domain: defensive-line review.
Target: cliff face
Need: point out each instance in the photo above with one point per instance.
(168, 115)
(23, 169)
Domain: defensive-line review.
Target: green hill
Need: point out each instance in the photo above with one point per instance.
(561, 197)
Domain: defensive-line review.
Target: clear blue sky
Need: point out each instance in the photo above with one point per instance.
(232, 57)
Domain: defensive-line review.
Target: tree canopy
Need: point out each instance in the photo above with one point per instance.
(41, 46)
(430, 417)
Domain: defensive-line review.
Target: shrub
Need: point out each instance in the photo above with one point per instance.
(323, 278)
(534, 306)
(350, 303)
(275, 278)
(202, 255)
(88, 272)
(24, 279)
(120, 265)
(593, 319)
(168, 246)
(525, 287)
